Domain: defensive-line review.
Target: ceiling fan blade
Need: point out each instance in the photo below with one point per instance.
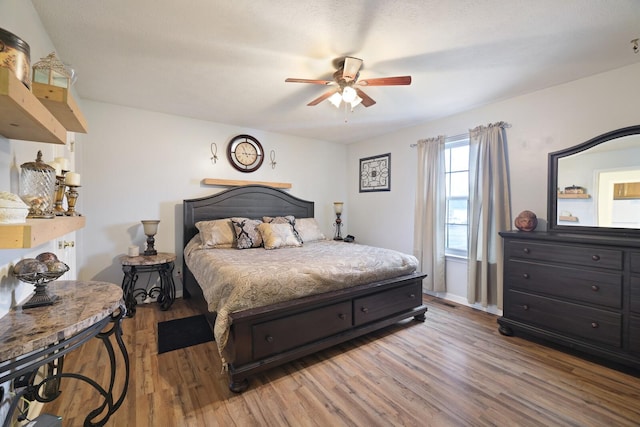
(386, 81)
(350, 68)
(315, 82)
(367, 101)
(321, 98)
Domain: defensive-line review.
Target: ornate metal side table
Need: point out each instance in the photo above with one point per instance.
(161, 263)
(37, 339)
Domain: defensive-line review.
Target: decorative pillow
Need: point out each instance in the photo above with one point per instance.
(218, 233)
(247, 234)
(308, 229)
(289, 219)
(276, 236)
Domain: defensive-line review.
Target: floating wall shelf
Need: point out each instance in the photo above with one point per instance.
(38, 231)
(573, 196)
(60, 103)
(23, 116)
(239, 183)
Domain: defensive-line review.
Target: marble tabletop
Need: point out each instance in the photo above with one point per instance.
(80, 305)
(160, 258)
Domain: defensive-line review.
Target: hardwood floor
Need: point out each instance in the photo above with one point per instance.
(455, 369)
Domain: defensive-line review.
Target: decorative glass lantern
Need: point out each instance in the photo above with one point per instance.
(52, 71)
(37, 187)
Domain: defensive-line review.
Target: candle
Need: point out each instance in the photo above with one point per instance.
(72, 178)
(63, 162)
(56, 166)
(134, 251)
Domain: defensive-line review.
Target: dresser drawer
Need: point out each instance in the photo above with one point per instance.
(596, 287)
(283, 334)
(590, 256)
(634, 334)
(592, 324)
(634, 294)
(380, 305)
(635, 262)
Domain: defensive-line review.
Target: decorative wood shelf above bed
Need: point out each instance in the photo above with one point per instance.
(240, 183)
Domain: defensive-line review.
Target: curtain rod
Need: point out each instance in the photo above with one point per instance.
(449, 138)
(464, 135)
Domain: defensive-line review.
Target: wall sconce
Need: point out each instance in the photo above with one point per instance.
(272, 155)
(150, 229)
(214, 153)
(634, 45)
(337, 206)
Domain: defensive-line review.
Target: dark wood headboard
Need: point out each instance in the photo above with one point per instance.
(251, 201)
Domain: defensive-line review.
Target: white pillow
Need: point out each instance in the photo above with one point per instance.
(218, 233)
(309, 230)
(276, 236)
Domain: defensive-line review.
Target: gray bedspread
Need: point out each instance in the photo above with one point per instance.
(233, 280)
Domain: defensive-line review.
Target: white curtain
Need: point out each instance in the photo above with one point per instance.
(489, 212)
(430, 213)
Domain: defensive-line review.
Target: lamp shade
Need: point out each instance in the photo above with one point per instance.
(150, 227)
(349, 94)
(337, 206)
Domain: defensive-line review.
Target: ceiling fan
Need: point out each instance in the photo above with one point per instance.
(348, 86)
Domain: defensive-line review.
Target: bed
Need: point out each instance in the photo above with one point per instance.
(257, 335)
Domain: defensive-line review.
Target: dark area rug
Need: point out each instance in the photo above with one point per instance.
(181, 333)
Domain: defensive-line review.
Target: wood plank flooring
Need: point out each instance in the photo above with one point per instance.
(454, 369)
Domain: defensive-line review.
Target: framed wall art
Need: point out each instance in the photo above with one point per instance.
(375, 173)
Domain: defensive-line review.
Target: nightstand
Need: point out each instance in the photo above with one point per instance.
(161, 263)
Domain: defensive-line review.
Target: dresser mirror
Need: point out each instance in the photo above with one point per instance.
(594, 187)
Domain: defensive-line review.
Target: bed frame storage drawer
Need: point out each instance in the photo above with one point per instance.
(575, 255)
(596, 287)
(585, 322)
(278, 335)
(387, 303)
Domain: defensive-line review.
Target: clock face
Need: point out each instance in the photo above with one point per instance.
(245, 153)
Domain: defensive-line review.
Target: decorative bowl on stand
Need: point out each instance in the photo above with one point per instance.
(39, 280)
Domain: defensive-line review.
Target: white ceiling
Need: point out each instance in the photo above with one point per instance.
(226, 61)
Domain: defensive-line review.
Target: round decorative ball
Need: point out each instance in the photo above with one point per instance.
(526, 221)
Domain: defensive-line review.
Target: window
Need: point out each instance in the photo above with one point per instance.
(457, 194)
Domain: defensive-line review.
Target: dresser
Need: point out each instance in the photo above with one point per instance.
(578, 291)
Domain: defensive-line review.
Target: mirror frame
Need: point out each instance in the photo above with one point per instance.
(552, 188)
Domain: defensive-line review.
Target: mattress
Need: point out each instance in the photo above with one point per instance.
(233, 280)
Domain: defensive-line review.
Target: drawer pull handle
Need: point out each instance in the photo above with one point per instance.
(364, 309)
(342, 316)
(595, 257)
(268, 338)
(525, 307)
(526, 250)
(525, 275)
(595, 288)
(594, 325)
(412, 296)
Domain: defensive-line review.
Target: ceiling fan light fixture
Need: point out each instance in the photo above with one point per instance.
(349, 94)
(336, 99)
(356, 102)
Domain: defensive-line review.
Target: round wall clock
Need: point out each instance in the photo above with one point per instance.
(245, 153)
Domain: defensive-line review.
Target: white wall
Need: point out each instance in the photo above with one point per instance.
(20, 18)
(541, 122)
(138, 165)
